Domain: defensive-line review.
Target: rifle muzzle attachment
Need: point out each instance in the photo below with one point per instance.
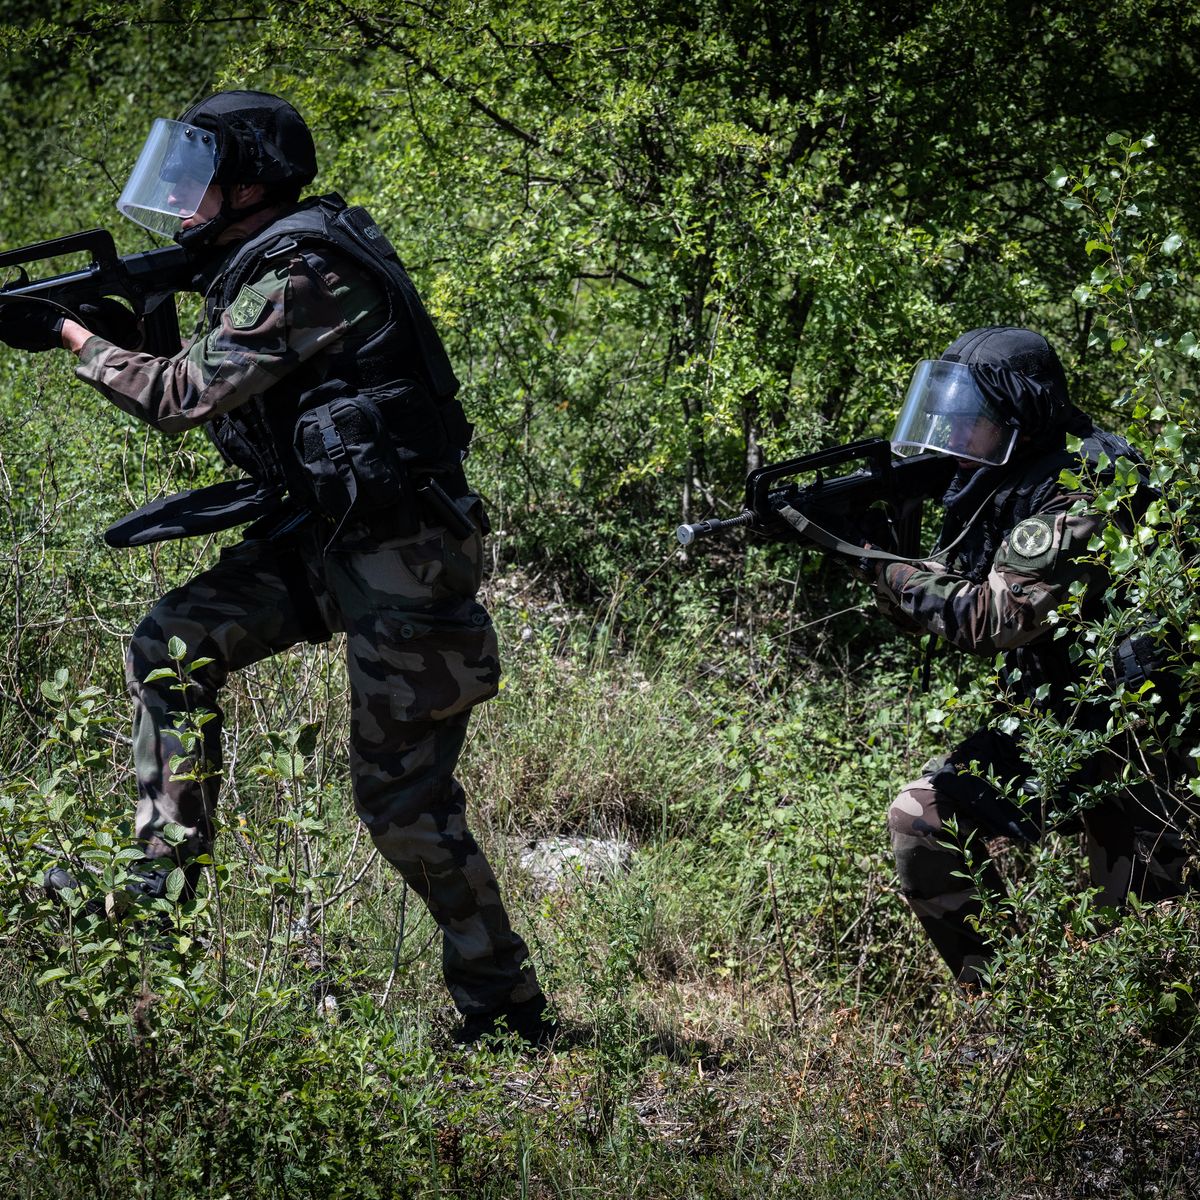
(687, 534)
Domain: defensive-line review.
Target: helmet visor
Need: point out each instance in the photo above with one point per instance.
(170, 177)
(945, 411)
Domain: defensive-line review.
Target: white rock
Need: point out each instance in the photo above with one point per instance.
(561, 862)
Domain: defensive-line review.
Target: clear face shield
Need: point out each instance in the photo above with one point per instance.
(945, 411)
(170, 177)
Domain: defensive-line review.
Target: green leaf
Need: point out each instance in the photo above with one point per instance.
(175, 884)
(1124, 559)
(200, 662)
(1172, 244)
(1171, 438)
(1057, 177)
(177, 649)
(174, 834)
(288, 765)
(51, 975)
(306, 737)
(160, 673)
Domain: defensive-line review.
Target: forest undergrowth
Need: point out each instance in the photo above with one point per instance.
(662, 243)
(747, 1008)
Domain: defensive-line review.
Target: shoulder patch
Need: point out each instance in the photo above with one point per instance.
(1031, 538)
(247, 310)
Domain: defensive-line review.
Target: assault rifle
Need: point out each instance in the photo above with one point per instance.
(147, 281)
(879, 502)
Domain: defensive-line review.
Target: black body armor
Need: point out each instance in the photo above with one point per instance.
(349, 433)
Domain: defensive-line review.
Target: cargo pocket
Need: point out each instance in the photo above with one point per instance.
(433, 664)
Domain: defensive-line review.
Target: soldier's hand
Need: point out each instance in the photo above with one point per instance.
(866, 569)
(28, 325)
(114, 322)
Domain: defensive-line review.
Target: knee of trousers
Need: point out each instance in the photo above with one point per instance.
(406, 771)
(925, 864)
(914, 812)
(149, 650)
(436, 857)
(401, 806)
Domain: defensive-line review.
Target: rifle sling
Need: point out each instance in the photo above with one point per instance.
(813, 532)
(808, 528)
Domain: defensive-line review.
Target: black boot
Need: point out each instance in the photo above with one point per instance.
(147, 880)
(529, 1020)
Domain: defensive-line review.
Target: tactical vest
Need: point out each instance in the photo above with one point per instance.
(1047, 660)
(402, 365)
(384, 413)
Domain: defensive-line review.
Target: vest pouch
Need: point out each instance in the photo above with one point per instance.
(413, 420)
(349, 461)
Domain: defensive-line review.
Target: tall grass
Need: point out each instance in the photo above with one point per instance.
(751, 1011)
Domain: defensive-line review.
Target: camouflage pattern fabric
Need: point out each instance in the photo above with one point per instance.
(1030, 577)
(941, 824)
(941, 827)
(420, 651)
(296, 310)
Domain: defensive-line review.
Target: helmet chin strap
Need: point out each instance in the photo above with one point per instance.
(203, 236)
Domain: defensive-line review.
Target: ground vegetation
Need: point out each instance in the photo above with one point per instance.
(663, 242)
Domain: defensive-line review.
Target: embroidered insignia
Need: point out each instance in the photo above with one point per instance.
(248, 308)
(1031, 538)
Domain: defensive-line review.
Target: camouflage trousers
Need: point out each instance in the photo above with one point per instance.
(420, 652)
(1137, 836)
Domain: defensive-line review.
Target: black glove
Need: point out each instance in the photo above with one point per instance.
(30, 325)
(867, 569)
(114, 322)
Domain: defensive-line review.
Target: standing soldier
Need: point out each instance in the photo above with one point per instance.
(317, 371)
(1016, 541)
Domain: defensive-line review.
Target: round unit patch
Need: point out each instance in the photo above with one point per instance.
(1031, 538)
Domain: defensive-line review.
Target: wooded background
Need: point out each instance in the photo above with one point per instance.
(663, 242)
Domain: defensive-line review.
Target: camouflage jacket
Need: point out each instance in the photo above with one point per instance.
(1003, 605)
(298, 310)
(1029, 578)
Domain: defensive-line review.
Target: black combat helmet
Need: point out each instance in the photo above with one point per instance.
(260, 139)
(989, 387)
(1018, 371)
(229, 139)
